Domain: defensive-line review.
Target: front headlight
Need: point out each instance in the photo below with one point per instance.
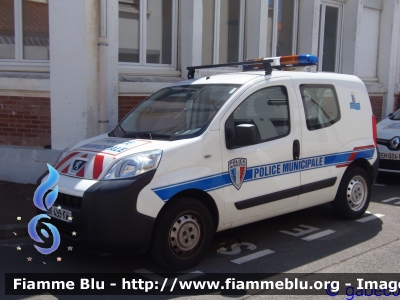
(134, 165)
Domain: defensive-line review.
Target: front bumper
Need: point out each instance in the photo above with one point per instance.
(105, 219)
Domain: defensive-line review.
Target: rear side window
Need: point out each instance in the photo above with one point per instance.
(321, 106)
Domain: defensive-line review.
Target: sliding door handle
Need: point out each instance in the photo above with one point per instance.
(296, 149)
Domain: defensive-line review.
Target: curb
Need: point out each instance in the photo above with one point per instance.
(13, 230)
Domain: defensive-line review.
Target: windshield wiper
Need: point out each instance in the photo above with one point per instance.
(150, 134)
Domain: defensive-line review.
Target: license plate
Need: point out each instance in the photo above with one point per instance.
(60, 214)
(393, 156)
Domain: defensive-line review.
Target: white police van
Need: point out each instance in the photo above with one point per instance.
(214, 153)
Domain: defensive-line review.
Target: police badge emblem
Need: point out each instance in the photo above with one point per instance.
(237, 171)
(77, 165)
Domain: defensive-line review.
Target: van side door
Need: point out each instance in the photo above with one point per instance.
(322, 141)
(257, 180)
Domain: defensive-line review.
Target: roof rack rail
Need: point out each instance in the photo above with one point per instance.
(301, 60)
(266, 64)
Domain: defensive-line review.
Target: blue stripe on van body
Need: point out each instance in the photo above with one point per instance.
(217, 181)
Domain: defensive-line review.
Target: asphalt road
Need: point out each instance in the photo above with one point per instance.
(313, 241)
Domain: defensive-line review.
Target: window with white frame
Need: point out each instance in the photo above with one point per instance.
(367, 58)
(282, 27)
(223, 31)
(330, 36)
(148, 32)
(24, 31)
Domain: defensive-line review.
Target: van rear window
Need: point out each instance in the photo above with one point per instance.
(321, 106)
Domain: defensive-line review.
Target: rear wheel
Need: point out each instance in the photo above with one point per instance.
(182, 235)
(354, 194)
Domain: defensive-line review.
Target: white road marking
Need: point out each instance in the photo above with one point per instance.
(378, 184)
(236, 248)
(369, 218)
(253, 256)
(318, 235)
(300, 231)
(397, 203)
(154, 277)
(391, 199)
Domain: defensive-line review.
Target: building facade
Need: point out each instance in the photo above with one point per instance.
(70, 70)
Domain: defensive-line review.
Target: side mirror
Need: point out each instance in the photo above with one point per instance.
(245, 135)
(391, 114)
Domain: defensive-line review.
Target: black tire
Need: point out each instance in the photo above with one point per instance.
(354, 193)
(182, 234)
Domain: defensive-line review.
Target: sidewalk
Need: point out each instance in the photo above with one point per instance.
(16, 200)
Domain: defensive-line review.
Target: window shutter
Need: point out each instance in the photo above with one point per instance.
(367, 57)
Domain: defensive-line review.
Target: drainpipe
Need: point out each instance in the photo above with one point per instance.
(103, 43)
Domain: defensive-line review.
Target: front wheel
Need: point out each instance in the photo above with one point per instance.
(182, 235)
(354, 194)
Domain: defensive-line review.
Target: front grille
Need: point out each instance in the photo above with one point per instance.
(389, 164)
(68, 201)
(386, 143)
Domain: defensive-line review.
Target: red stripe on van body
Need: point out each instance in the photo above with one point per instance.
(65, 159)
(81, 172)
(353, 155)
(65, 171)
(98, 166)
(342, 166)
(364, 147)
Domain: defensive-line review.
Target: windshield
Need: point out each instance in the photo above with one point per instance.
(176, 112)
(396, 116)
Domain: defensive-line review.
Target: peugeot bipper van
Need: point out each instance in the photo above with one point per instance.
(209, 154)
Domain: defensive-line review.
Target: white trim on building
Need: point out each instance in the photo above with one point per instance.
(30, 53)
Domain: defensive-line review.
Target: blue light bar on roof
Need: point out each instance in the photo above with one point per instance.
(284, 61)
(307, 59)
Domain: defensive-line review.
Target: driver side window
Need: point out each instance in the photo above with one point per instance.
(267, 109)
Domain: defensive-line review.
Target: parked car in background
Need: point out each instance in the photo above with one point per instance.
(389, 143)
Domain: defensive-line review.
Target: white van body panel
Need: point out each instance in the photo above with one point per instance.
(261, 155)
(179, 170)
(342, 137)
(201, 163)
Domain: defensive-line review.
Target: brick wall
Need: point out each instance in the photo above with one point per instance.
(376, 103)
(25, 121)
(126, 103)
